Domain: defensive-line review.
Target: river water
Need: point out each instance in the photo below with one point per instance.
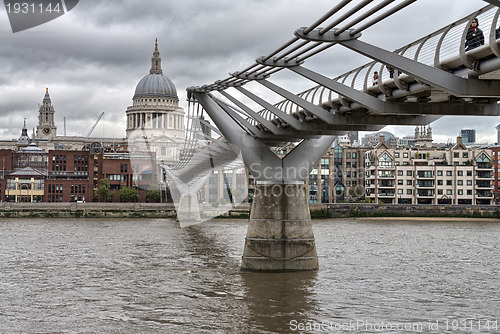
(150, 276)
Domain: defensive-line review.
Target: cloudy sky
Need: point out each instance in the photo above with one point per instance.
(92, 58)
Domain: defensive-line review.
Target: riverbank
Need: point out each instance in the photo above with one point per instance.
(162, 210)
(87, 210)
(345, 210)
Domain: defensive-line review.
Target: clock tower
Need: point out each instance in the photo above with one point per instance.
(46, 128)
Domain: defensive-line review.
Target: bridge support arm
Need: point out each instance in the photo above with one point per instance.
(363, 99)
(430, 75)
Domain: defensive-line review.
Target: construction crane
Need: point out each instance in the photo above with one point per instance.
(95, 124)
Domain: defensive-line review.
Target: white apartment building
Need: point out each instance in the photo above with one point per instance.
(429, 176)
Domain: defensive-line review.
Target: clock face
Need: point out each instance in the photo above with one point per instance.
(46, 131)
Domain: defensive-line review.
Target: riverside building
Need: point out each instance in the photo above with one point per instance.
(429, 176)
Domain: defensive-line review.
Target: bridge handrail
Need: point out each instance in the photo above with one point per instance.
(440, 49)
(444, 49)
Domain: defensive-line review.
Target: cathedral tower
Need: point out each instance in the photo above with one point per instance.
(46, 128)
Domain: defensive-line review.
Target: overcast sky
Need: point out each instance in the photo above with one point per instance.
(92, 58)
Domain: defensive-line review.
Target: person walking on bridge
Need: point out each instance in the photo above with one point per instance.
(474, 37)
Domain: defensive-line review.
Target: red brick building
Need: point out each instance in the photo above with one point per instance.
(33, 175)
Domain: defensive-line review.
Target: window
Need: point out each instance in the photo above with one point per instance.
(460, 182)
(440, 182)
(396, 155)
(440, 191)
(448, 182)
(400, 173)
(460, 173)
(469, 192)
(409, 191)
(469, 182)
(400, 191)
(483, 158)
(465, 155)
(400, 182)
(337, 152)
(409, 182)
(456, 155)
(448, 192)
(440, 173)
(385, 161)
(348, 155)
(469, 173)
(448, 173)
(409, 173)
(354, 155)
(405, 155)
(460, 192)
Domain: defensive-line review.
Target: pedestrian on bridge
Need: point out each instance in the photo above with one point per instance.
(474, 37)
(375, 78)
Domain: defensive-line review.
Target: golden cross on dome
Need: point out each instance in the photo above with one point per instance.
(156, 44)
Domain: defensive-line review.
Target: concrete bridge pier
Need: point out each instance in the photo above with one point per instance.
(279, 236)
(185, 200)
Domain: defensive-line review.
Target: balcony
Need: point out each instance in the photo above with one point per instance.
(484, 176)
(386, 174)
(484, 185)
(425, 184)
(386, 194)
(425, 193)
(484, 165)
(425, 175)
(386, 184)
(484, 194)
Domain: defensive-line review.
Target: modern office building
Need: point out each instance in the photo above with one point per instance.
(371, 140)
(468, 135)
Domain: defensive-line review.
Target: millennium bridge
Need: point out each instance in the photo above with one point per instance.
(444, 73)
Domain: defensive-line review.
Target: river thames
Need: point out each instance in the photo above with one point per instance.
(150, 276)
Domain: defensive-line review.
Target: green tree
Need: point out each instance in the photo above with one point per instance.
(103, 191)
(128, 194)
(356, 191)
(153, 193)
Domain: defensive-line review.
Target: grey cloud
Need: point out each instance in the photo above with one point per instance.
(92, 58)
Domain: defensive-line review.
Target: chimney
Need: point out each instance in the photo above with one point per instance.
(382, 139)
(459, 140)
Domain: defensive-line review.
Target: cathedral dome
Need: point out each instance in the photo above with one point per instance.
(155, 85)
